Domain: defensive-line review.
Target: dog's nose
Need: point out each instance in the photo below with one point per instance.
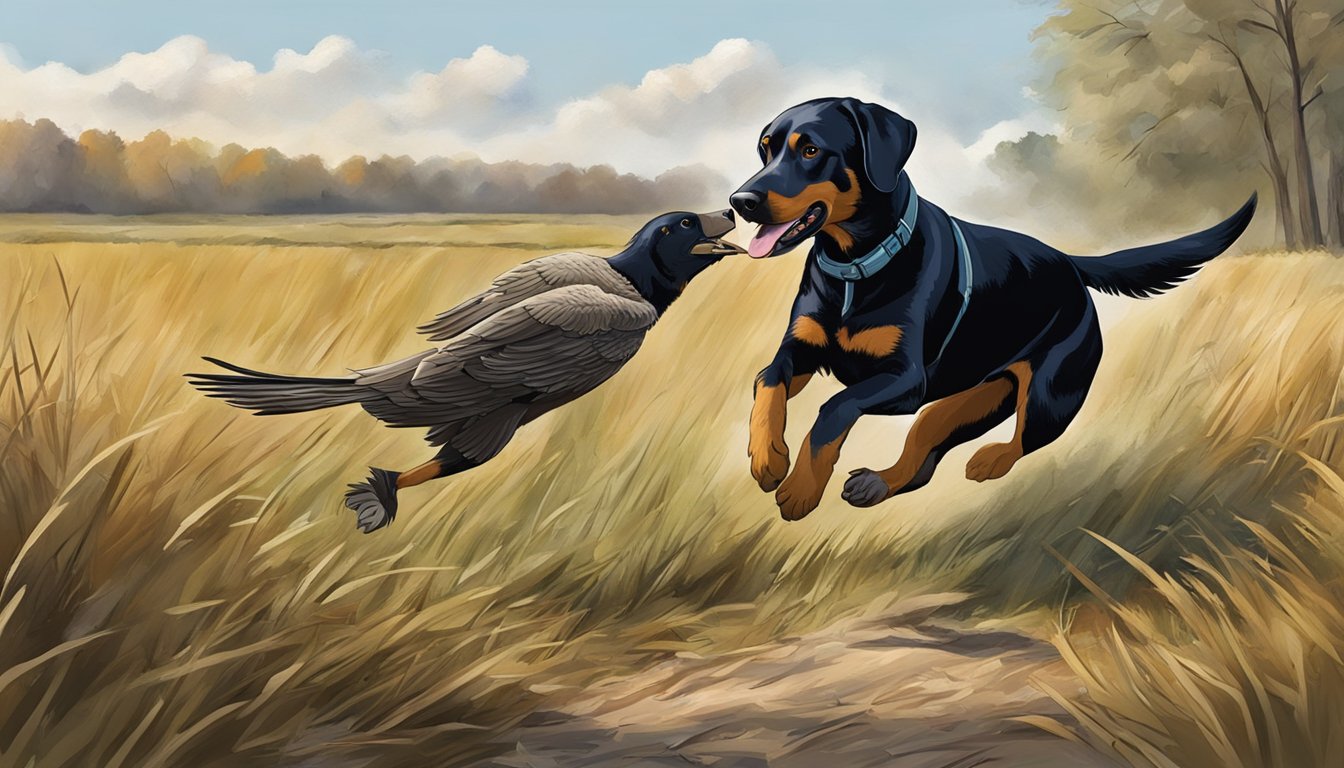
(745, 202)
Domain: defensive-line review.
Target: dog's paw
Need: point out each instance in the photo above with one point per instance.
(798, 495)
(769, 463)
(992, 462)
(865, 488)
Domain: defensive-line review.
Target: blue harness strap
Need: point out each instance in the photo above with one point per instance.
(873, 262)
(963, 284)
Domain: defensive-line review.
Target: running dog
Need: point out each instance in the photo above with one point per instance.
(911, 308)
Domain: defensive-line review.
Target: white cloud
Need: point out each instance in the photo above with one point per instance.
(466, 92)
(707, 111)
(338, 100)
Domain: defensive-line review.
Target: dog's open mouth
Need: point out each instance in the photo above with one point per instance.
(774, 239)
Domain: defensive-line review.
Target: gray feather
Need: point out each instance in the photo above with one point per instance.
(525, 281)
(544, 333)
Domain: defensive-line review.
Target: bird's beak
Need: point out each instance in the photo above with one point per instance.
(715, 225)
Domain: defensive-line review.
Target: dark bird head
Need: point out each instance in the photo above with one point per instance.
(669, 251)
(831, 167)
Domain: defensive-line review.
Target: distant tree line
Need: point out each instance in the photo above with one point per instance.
(43, 169)
(1168, 101)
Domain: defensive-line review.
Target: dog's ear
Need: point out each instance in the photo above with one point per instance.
(887, 140)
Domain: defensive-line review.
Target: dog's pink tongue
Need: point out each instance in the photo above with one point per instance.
(764, 242)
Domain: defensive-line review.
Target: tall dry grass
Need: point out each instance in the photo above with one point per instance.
(1239, 659)
(182, 585)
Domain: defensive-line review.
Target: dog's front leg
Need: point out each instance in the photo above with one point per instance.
(887, 394)
(766, 447)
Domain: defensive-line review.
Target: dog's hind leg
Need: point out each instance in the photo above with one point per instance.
(1051, 388)
(940, 426)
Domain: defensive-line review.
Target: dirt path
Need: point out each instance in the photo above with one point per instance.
(863, 694)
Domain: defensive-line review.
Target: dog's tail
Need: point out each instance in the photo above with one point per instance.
(268, 393)
(1152, 269)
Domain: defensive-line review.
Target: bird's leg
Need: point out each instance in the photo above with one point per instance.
(374, 501)
(421, 474)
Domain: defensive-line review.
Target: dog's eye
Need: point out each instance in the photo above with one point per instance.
(810, 151)
(685, 223)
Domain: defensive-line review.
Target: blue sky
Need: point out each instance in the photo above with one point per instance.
(968, 60)
(643, 88)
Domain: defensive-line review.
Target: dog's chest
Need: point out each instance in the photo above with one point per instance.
(852, 369)
(865, 341)
(855, 350)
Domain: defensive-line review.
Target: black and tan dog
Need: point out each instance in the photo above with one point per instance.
(909, 307)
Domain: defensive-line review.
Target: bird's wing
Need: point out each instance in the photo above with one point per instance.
(549, 348)
(389, 397)
(525, 281)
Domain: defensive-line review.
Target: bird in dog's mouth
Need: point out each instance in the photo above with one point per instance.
(776, 239)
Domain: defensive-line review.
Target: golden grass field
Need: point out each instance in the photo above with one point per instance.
(183, 587)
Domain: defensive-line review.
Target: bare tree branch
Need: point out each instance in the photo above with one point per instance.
(1110, 16)
(1263, 9)
(1146, 134)
(169, 177)
(1309, 67)
(1253, 24)
(1314, 97)
(1134, 42)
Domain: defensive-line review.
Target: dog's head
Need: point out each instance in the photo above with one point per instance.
(823, 159)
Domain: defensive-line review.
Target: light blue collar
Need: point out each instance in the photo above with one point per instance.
(879, 257)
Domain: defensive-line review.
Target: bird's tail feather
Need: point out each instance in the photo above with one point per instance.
(269, 393)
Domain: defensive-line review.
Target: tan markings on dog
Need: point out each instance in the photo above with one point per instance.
(793, 140)
(842, 238)
(766, 447)
(878, 341)
(783, 209)
(801, 491)
(809, 331)
(840, 206)
(938, 421)
(423, 473)
(994, 460)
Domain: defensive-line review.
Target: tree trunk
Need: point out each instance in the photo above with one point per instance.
(1335, 200)
(1308, 209)
(1288, 224)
